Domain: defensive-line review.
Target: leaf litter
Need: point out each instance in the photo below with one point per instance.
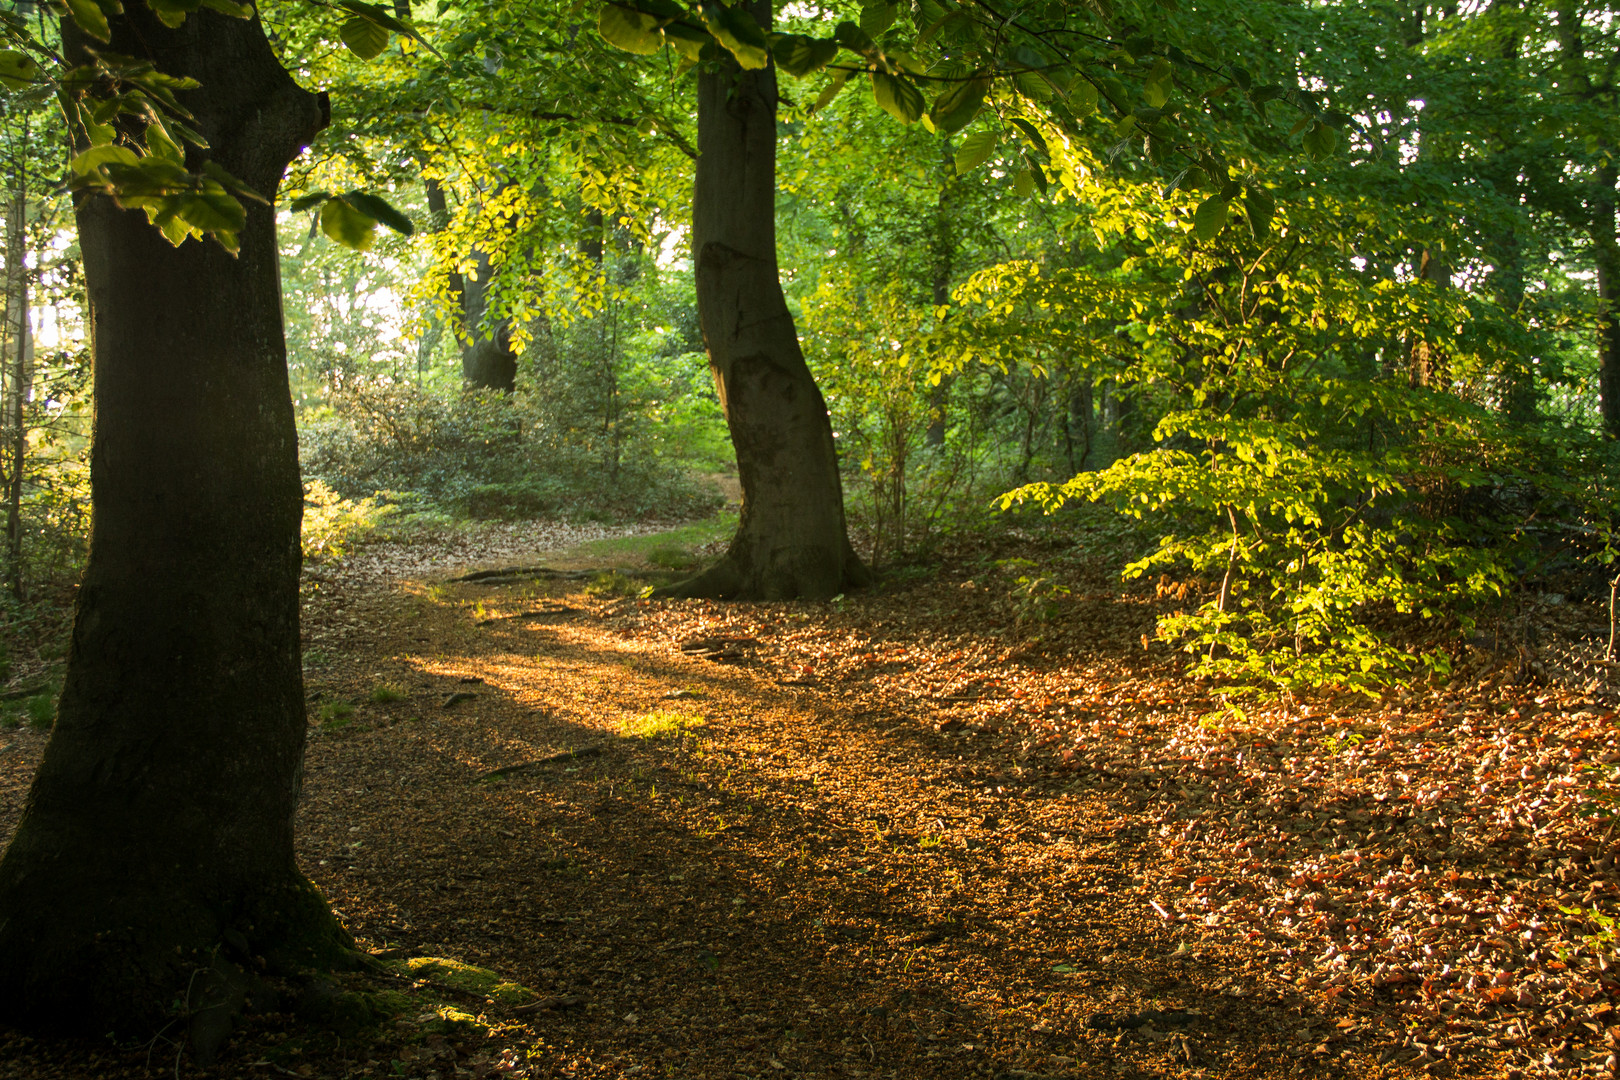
(917, 834)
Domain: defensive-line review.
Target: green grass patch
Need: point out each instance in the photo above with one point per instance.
(465, 978)
(39, 711)
(336, 714)
(661, 724)
(387, 693)
(675, 549)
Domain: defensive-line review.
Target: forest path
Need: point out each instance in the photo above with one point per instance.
(757, 867)
(932, 830)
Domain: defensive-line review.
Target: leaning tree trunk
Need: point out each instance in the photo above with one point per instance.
(791, 540)
(155, 856)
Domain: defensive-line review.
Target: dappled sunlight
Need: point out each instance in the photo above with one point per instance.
(823, 882)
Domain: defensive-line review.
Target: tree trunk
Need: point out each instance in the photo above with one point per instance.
(1606, 253)
(19, 378)
(488, 361)
(942, 252)
(438, 220)
(157, 842)
(791, 540)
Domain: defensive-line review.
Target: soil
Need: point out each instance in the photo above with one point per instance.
(912, 833)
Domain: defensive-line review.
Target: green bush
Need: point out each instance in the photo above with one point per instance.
(477, 455)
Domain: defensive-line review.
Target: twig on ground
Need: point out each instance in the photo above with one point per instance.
(525, 766)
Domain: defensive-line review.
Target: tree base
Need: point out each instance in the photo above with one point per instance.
(789, 574)
(89, 959)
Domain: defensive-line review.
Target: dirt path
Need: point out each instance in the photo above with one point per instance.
(789, 879)
(772, 855)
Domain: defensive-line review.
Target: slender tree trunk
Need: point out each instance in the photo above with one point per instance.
(942, 249)
(791, 540)
(19, 348)
(438, 219)
(1606, 251)
(155, 854)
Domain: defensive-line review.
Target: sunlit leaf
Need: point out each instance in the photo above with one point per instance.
(958, 105)
(1210, 218)
(897, 96)
(364, 38)
(90, 18)
(975, 150)
(17, 70)
(349, 226)
(628, 29)
(736, 30)
(830, 91)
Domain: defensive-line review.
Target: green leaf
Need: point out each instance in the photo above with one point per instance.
(877, 16)
(736, 29)
(308, 202)
(1210, 218)
(976, 149)
(380, 210)
(1321, 140)
(852, 37)
(172, 13)
(665, 11)
(937, 25)
(957, 106)
(364, 38)
(97, 156)
(351, 227)
(383, 18)
(1115, 92)
(1034, 137)
(1083, 96)
(17, 70)
(897, 97)
(830, 91)
(91, 19)
(1024, 184)
(161, 143)
(1260, 208)
(630, 30)
(799, 55)
(211, 212)
(1160, 82)
(689, 41)
(230, 7)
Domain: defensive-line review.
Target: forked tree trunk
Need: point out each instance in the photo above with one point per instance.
(791, 540)
(157, 843)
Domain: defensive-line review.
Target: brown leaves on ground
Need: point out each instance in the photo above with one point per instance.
(905, 835)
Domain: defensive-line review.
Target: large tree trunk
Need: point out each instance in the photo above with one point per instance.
(157, 842)
(791, 541)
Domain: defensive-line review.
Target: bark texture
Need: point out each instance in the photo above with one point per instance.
(157, 842)
(791, 540)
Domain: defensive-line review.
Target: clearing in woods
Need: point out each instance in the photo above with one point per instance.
(918, 832)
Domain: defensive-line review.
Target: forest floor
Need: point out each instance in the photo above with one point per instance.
(922, 831)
